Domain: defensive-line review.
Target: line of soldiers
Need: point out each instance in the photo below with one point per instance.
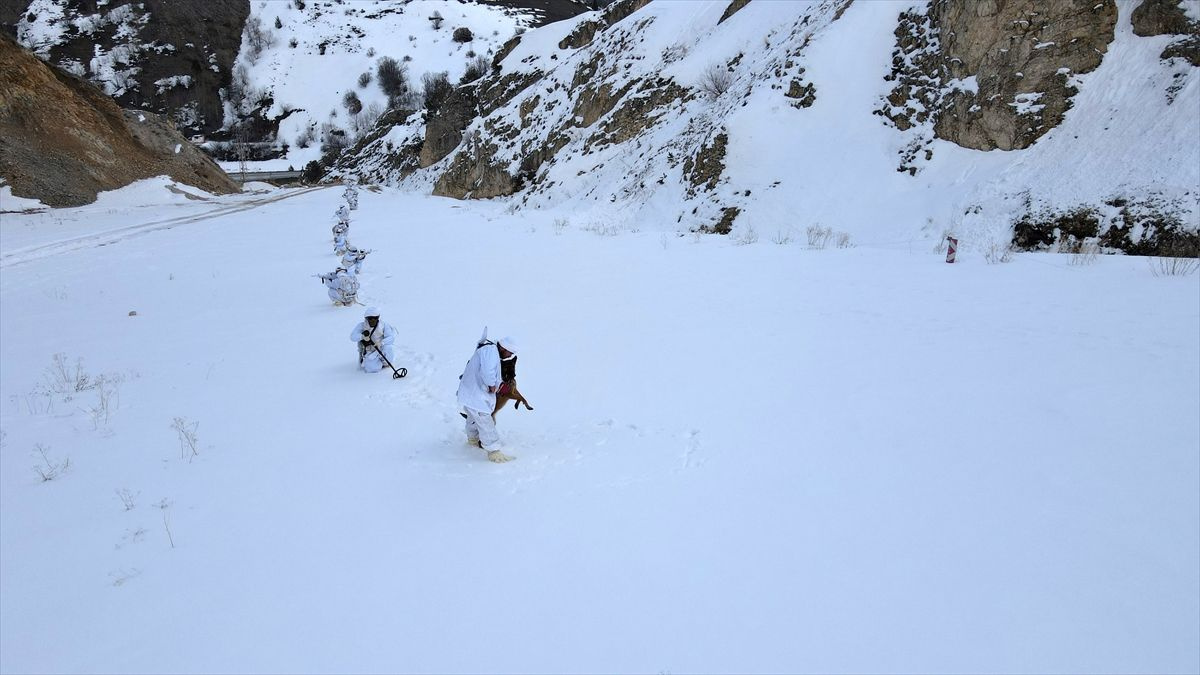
(342, 283)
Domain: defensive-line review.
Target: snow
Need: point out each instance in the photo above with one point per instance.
(1191, 8)
(10, 202)
(45, 30)
(166, 83)
(1027, 104)
(755, 458)
(968, 84)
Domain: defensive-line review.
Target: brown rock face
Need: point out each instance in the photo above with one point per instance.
(583, 35)
(1166, 17)
(1017, 50)
(1160, 17)
(62, 140)
(733, 8)
(474, 175)
(443, 129)
(995, 74)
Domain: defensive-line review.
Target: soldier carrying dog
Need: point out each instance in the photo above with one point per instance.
(477, 388)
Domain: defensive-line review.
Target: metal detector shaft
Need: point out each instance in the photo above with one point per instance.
(396, 374)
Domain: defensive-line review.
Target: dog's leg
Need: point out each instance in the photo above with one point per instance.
(515, 395)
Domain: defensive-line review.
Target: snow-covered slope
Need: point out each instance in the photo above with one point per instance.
(622, 129)
(758, 458)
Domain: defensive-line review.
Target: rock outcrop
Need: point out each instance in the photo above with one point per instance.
(62, 140)
(1166, 17)
(993, 74)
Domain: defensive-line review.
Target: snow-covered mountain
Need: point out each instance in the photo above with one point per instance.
(272, 75)
(1066, 121)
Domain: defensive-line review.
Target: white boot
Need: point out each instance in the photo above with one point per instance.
(499, 457)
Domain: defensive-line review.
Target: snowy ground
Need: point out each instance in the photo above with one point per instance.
(757, 458)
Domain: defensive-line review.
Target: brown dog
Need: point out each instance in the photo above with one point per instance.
(507, 391)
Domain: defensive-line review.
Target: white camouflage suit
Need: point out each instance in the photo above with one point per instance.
(352, 259)
(382, 336)
(343, 287)
(481, 374)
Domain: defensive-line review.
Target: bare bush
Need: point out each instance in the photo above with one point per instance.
(477, 68)
(602, 228)
(39, 402)
(436, 88)
(843, 240)
(818, 237)
(1174, 266)
(306, 137)
(997, 252)
(364, 79)
(783, 236)
(352, 103)
(48, 469)
(257, 38)
(1087, 253)
(63, 378)
(186, 430)
(333, 138)
(108, 399)
(436, 19)
(128, 498)
(393, 79)
(561, 224)
(364, 121)
(715, 80)
(462, 34)
(746, 235)
(944, 241)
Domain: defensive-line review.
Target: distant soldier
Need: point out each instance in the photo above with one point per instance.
(343, 287)
(352, 259)
(341, 240)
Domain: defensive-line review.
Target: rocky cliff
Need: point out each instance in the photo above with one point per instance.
(164, 56)
(62, 139)
(992, 74)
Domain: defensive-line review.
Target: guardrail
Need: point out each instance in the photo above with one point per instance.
(267, 176)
